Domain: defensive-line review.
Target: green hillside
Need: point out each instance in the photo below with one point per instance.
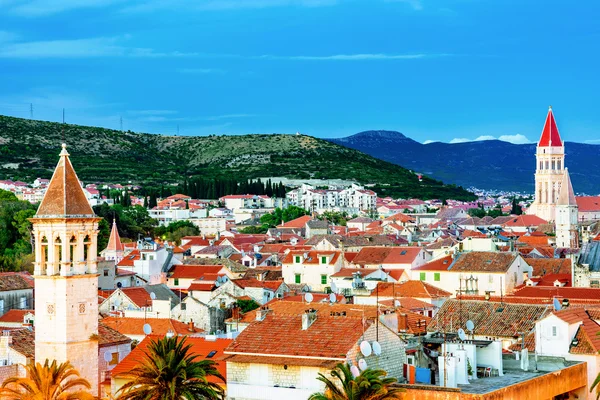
(29, 149)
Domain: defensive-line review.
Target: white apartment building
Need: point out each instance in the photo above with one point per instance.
(352, 200)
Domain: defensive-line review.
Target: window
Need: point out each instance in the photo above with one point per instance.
(105, 272)
(115, 359)
(554, 331)
(211, 354)
(176, 283)
(297, 259)
(323, 279)
(298, 278)
(183, 306)
(1, 306)
(323, 259)
(436, 276)
(422, 276)
(23, 302)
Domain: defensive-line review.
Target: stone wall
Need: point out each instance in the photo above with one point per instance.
(284, 377)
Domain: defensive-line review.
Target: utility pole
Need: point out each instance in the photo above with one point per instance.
(30, 110)
(121, 123)
(177, 129)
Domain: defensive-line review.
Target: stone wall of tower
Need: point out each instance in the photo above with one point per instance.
(66, 319)
(550, 164)
(566, 226)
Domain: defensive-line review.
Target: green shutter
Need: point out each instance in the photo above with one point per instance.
(298, 278)
(176, 281)
(323, 279)
(436, 276)
(324, 260)
(297, 259)
(422, 276)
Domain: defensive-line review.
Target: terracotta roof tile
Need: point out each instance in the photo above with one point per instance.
(194, 271)
(441, 264)
(15, 281)
(412, 288)
(562, 292)
(23, 341)
(483, 261)
(110, 337)
(543, 266)
(490, 318)
(15, 315)
(160, 326)
(200, 348)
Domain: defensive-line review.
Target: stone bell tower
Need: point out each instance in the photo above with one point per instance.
(65, 271)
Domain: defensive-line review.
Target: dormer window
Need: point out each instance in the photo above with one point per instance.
(323, 259)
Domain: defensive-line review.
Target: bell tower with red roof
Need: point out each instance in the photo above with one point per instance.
(550, 168)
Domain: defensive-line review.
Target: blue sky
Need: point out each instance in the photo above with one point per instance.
(432, 69)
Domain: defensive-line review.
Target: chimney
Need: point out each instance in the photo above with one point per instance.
(308, 318)
(261, 313)
(191, 326)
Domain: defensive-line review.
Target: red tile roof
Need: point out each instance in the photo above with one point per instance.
(441, 264)
(413, 288)
(15, 281)
(296, 223)
(282, 335)
(138, 295)
(110, 337)
(15, 315)
(255, 283)
(386, 255)
(525, 221)
(193, 271)
(114, 241)
(484, 261)
(313, 256)
(563, 292)
(198, 286)
(588, 203)
(588, 336)
(128, 260)
(160, 326)
(200, 348)
(407, 303)
(543, 266)
(411, 322)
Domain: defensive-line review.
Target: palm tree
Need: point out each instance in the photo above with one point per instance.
(170, 372)
(51, 381)
(595, 385)
(371, 384)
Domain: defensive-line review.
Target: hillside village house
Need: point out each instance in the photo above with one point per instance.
(181, 276)
(481, 272)
(572, 333)
(287, 365)
(419, 290)
(151, 301)
(353, 243)
(353, 200)
(312, 268)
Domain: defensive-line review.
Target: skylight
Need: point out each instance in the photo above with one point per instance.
(211, 354)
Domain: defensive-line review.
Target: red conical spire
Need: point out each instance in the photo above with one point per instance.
(550, 136)
(114, 242)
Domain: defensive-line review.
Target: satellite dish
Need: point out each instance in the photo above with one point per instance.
(153, 296)
(396, 303)
(117, 302)
(556, 303)
(333, 287)
(308, 297)
(217, 283)
(461, 334)
(355, 371)
(365, 348)
(119, 285)
(470, 325)
(107, 356)
(147, 329)
(362, 364)
(376, 348)
(332, 298)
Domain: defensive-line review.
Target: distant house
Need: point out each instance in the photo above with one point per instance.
(16, 291)
(313, 268)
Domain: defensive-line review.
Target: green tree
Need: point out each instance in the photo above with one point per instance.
(170, 372)
(371, 384)
(51, 381)
(247, 305)
(273, 219)
(515, 208)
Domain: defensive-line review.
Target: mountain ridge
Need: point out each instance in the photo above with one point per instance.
(106, 155)
(487, 164)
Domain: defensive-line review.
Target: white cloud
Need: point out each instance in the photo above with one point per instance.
(460, 140)
(484, 137)
(39, 8)
(228, 116)
(515, 139)
(354, 57)
(429, 141)
(200, 71)
(415, 4)
(592, 141)
(151, 112)
(213, 5)
(82, 48)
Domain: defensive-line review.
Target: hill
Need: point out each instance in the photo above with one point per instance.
(490, 164)
(29, 149)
